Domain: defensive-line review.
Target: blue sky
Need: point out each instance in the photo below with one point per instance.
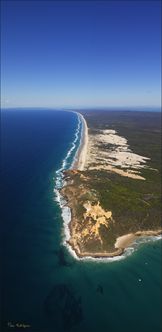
(80, 53)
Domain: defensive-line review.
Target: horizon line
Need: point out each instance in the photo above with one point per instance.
(79, 107)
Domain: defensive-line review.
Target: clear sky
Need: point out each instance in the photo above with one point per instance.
(80, 53)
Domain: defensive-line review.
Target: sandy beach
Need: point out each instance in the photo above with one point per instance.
(125, 241)
(82, 153)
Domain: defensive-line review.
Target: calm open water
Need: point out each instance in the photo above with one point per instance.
(42, 284)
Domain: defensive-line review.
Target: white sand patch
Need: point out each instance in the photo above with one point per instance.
(110, 137)
(109, 151)
(124, 241)
(127, 173)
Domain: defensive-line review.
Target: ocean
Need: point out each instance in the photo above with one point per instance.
(44, 288)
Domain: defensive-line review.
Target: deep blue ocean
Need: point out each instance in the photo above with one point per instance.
(43, 286)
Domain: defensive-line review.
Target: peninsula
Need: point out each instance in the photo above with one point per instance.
(114, 190)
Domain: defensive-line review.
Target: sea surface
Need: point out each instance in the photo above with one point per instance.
(43, 286)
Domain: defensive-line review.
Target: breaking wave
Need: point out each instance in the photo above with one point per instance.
(60, 181)
(67, 162)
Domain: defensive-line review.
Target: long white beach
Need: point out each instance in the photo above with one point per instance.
(80, 159)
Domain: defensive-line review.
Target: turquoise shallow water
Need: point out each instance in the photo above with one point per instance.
(42, 284)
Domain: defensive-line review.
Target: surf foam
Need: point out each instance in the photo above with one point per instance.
(60, 182)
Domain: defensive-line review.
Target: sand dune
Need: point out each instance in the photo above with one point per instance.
(109, 151)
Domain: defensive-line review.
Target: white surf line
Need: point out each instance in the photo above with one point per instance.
(59, 183)
(81, 153)
(59, 172)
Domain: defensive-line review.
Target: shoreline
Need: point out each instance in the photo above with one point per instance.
(80, 157)
(122, 242)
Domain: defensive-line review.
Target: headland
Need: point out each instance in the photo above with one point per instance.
(113, 190)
